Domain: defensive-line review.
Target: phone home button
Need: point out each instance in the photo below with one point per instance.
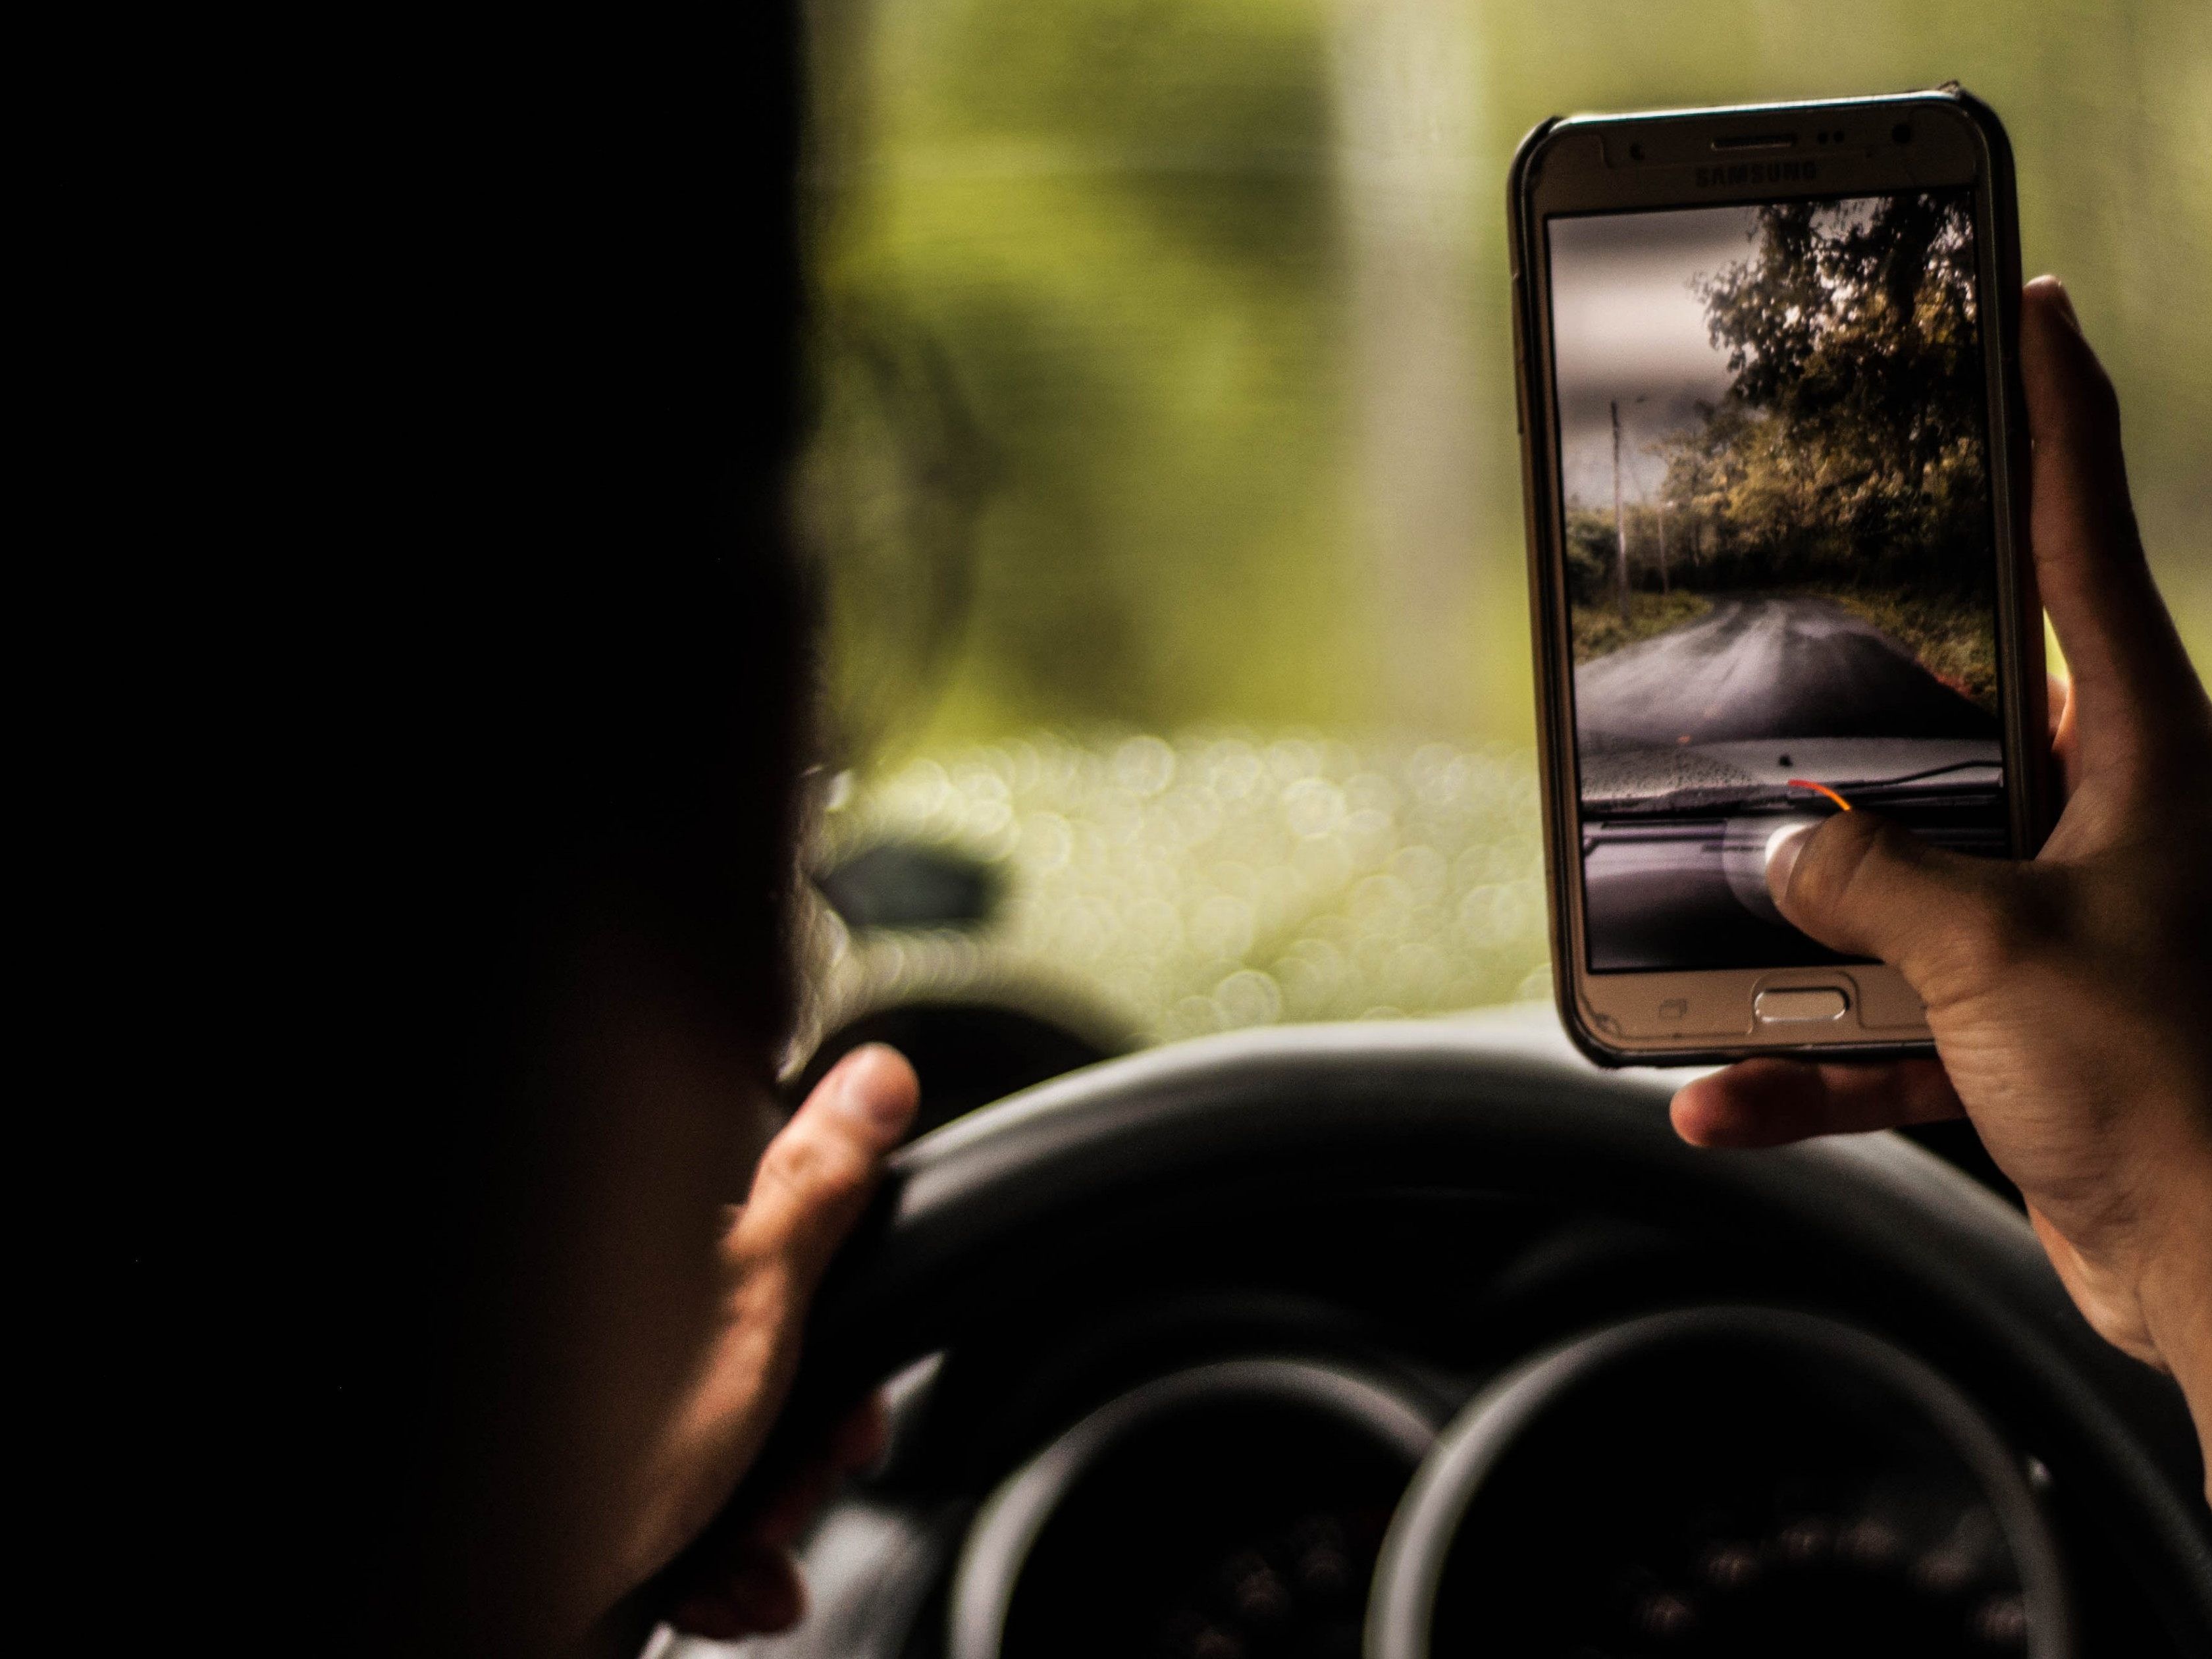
(1810, 1003)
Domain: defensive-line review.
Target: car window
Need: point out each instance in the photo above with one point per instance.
(1165, 485)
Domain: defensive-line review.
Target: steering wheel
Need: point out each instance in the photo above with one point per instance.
(982, 1211)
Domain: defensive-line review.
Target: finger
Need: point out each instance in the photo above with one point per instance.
(853, 1444)
(784, 1519)
(2065, 743)
(1769, 1102)
(812, 1183)
(859, 1440)
(757, 1592)
(2127, 661)
(816, 1176)
(1862, 885)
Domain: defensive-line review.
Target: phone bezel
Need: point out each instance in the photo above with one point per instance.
(1628, 163)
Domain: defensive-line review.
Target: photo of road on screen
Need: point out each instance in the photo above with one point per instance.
(1779, 553)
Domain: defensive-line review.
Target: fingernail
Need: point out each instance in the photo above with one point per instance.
(1782, 849)
(869, 1087)
(2065, 299)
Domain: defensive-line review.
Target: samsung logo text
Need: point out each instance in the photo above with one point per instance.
(1759, 173)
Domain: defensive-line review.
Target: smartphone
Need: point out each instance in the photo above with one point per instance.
(1774, 455)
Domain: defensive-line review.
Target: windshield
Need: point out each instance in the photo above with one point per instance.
(1167, 488)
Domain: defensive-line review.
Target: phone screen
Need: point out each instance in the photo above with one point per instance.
(1781, 569)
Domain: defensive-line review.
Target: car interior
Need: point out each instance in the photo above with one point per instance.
(1429, 1337)
(1267, 1275)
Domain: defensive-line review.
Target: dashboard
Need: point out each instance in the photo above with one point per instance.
(1726, 1480)
(1400, 1408)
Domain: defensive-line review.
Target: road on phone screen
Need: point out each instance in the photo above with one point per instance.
(1767, 668)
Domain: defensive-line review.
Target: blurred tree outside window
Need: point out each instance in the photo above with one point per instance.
(1165, 482)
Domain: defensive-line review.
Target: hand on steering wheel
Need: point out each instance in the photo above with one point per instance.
(812, 1184)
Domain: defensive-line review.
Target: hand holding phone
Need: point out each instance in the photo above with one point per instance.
(1772, 460)
(2065, 995)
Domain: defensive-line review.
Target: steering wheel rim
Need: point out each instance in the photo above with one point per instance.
(974, 1210)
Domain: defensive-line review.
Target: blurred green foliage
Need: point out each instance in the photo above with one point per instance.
(1849, 445)
(1103, 410)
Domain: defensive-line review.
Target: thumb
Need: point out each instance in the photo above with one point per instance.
(1863, 885)
(815, 1177)
(813, 1182)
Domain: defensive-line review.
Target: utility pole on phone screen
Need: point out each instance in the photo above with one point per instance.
(1619, 518)
(1662, 540)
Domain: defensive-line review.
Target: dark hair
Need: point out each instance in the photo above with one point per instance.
(562, 660)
